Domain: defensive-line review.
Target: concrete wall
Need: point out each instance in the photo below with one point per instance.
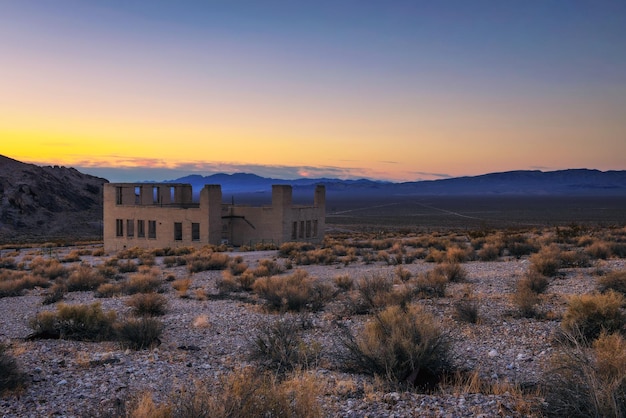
(166, 205)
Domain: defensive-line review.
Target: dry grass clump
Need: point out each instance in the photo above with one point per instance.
(588, 381)
(599, 250)
(204, 260)
(148, 304)
(131, 253)
(589, 315)
(174, 260)
(402, 274)
(49, 268)
(376, 292)
(75, 322)
(519, 245)
(281, 348)
(344, 282)
(401, 345)
(146, 281)
(431, 284)
(528, 289)
(295, 292)
(236, 266)
(292, 249)
(108, 290)
(127, 266)
(547, 261)
(71, 257)
(614, 280)
(84, 277)
(488, 252)
(453, 271)
(321, 256)
(11, 377)
(457, 254)
(181, 286)
(466, 310)
(13, 283)
(55, 293)
(267, 267)
(245, 393)
(8, 263)
(139, 333)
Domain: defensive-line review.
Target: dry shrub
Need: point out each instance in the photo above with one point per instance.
(401, 345)
(267, 268)
(48, 267)
(458, 254)
(587, 381)
(139, 333)
(107, 271)
(344, 282)
(174, 260)
(143, 406)
(281, 348)
(534, 281)
(13, 283)
(127, 266)
(130, 253)
(108, 290)
(322, 256)
(227, 283)
(181, 286)
(204, 260)
(84, 277)
(236, 266)
(376, 292)
(526, 300)
(589, 315)
(614, 280)
(294, 292)
(75, 322)
(249, 392)
(454, 272)
(145, 281)
(11, 377)
(292, 249)
(148, 304)
(71, 257)
(599, 250)
(432, 284)
(574, 259)
(489, 252)
(402, 273)
(547, 261)
(466, 310)
(436, 256)
(54, 294)
(8, 263)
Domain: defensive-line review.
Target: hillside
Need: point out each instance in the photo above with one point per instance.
(48, 202)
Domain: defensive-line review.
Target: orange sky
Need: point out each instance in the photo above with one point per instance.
(107, 85)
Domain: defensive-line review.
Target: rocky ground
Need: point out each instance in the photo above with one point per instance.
(206, 339)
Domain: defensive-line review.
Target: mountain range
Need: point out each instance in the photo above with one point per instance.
(573, 182)
(46, 202)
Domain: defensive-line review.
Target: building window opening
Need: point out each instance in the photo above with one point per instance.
(156, 195)
(118, 195)
(172, 194)
(308, 229)
(294, 230)
(178, 231)
(195, 231)
(141, 228)
(151, 229)
(301, 235)
(130, 228)
(137, 195)
(119, 227)
(315, 227)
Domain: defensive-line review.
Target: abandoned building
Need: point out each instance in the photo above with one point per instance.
(162, 215)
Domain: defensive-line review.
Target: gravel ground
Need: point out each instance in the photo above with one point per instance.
(206, 339)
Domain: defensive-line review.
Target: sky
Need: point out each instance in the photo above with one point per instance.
(392, 90)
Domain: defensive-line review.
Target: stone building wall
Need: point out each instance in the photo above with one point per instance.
(164, 215)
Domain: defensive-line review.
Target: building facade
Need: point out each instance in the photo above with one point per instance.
(161, 215)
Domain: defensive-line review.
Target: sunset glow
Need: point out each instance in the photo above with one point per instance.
(387, 90)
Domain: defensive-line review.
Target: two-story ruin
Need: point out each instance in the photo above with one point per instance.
(161, 215)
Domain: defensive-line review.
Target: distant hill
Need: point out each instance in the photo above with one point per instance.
(42, 203)
(47, 202)
(575, 182)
